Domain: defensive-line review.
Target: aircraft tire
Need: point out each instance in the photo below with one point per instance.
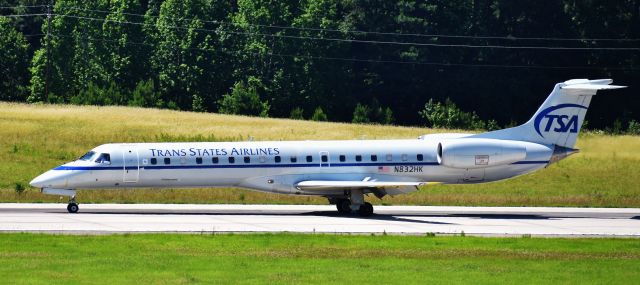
(72, 208)
(344, 206)
(366, 210)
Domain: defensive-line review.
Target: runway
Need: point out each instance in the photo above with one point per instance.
(414, 220)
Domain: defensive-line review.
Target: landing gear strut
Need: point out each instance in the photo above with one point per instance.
(72, 207)
(354, 204)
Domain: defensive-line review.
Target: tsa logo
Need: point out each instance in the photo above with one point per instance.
(557, 122)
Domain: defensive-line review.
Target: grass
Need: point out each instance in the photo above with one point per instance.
(35, 138)
(314, 259)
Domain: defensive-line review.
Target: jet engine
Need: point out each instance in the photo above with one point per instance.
(479, 153)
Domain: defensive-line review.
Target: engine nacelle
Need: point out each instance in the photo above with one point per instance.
(479, 153)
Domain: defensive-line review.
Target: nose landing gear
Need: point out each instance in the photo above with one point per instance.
(72, 207)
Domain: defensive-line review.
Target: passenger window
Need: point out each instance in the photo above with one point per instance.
(214, 160)
(183, 160)
(358, 157)
(247, 159)
(342, 158)
(419, 157)
(277, 159)
(154, 161)
(309, 158)
(294, 159)
(232, 159)
(104, 158)
(199, 160)
(167, 160)
(405, 157)
(324, 158)
(262, 159)
(389, 157)
(374, 157)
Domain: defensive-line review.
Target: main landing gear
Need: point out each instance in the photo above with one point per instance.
(72, 207)
(353, 204)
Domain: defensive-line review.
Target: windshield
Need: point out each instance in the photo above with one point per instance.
(87, 156)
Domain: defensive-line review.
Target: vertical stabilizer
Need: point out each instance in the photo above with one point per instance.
(559, 119)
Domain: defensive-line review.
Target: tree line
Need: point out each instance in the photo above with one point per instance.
(366, 61)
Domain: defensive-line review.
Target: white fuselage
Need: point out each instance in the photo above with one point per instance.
(277, 166)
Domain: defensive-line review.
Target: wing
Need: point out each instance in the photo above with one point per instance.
(386, 187)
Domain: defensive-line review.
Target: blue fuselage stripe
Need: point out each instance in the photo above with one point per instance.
(283, 165)
(532, 162)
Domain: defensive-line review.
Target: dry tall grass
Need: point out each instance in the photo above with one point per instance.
(34, 138)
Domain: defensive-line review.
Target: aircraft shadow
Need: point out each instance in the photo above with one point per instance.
(401, 217)
(381, 217)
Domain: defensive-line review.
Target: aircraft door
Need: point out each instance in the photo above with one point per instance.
(325, 160)
(131, 164)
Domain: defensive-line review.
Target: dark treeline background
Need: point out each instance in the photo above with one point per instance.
(383, 59)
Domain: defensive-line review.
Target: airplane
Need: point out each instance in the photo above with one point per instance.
(342, 171)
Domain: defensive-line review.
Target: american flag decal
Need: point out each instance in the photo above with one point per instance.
(383, 169)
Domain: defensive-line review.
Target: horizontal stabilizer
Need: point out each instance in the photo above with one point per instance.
(591, 87)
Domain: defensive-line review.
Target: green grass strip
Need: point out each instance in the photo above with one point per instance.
(313, 259)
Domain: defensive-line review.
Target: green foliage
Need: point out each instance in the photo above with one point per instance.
(634, 128)
(297, 113)
(365, 114)
(96, 95)
(319, 115)
(361, 114)
(197, 105)
(14, 59)
(386, 116)
(243, 100)
(187, 60)
(449, 116)
(193, 59)
(144, 95)
(616, 129)
(19, 188)
(492, 125)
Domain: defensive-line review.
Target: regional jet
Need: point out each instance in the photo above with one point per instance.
(342, 171)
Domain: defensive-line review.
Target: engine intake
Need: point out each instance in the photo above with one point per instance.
(479, 153)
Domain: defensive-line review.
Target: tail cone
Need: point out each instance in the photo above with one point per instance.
(561, 152)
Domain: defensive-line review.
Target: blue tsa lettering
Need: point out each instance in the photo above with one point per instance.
(558, 123)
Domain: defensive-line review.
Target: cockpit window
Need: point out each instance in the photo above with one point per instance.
(104, 157)
(87, 156)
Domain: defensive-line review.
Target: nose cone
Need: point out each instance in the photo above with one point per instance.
(50, 179)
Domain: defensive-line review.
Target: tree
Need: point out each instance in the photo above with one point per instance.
(243, 100)
(144, 95)
(186, 57)
(382, 54)
(448, 115)
(365, 114)
(361, 114)
(14, 62)
(319, 115)
(90, 49)
(297, 113)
